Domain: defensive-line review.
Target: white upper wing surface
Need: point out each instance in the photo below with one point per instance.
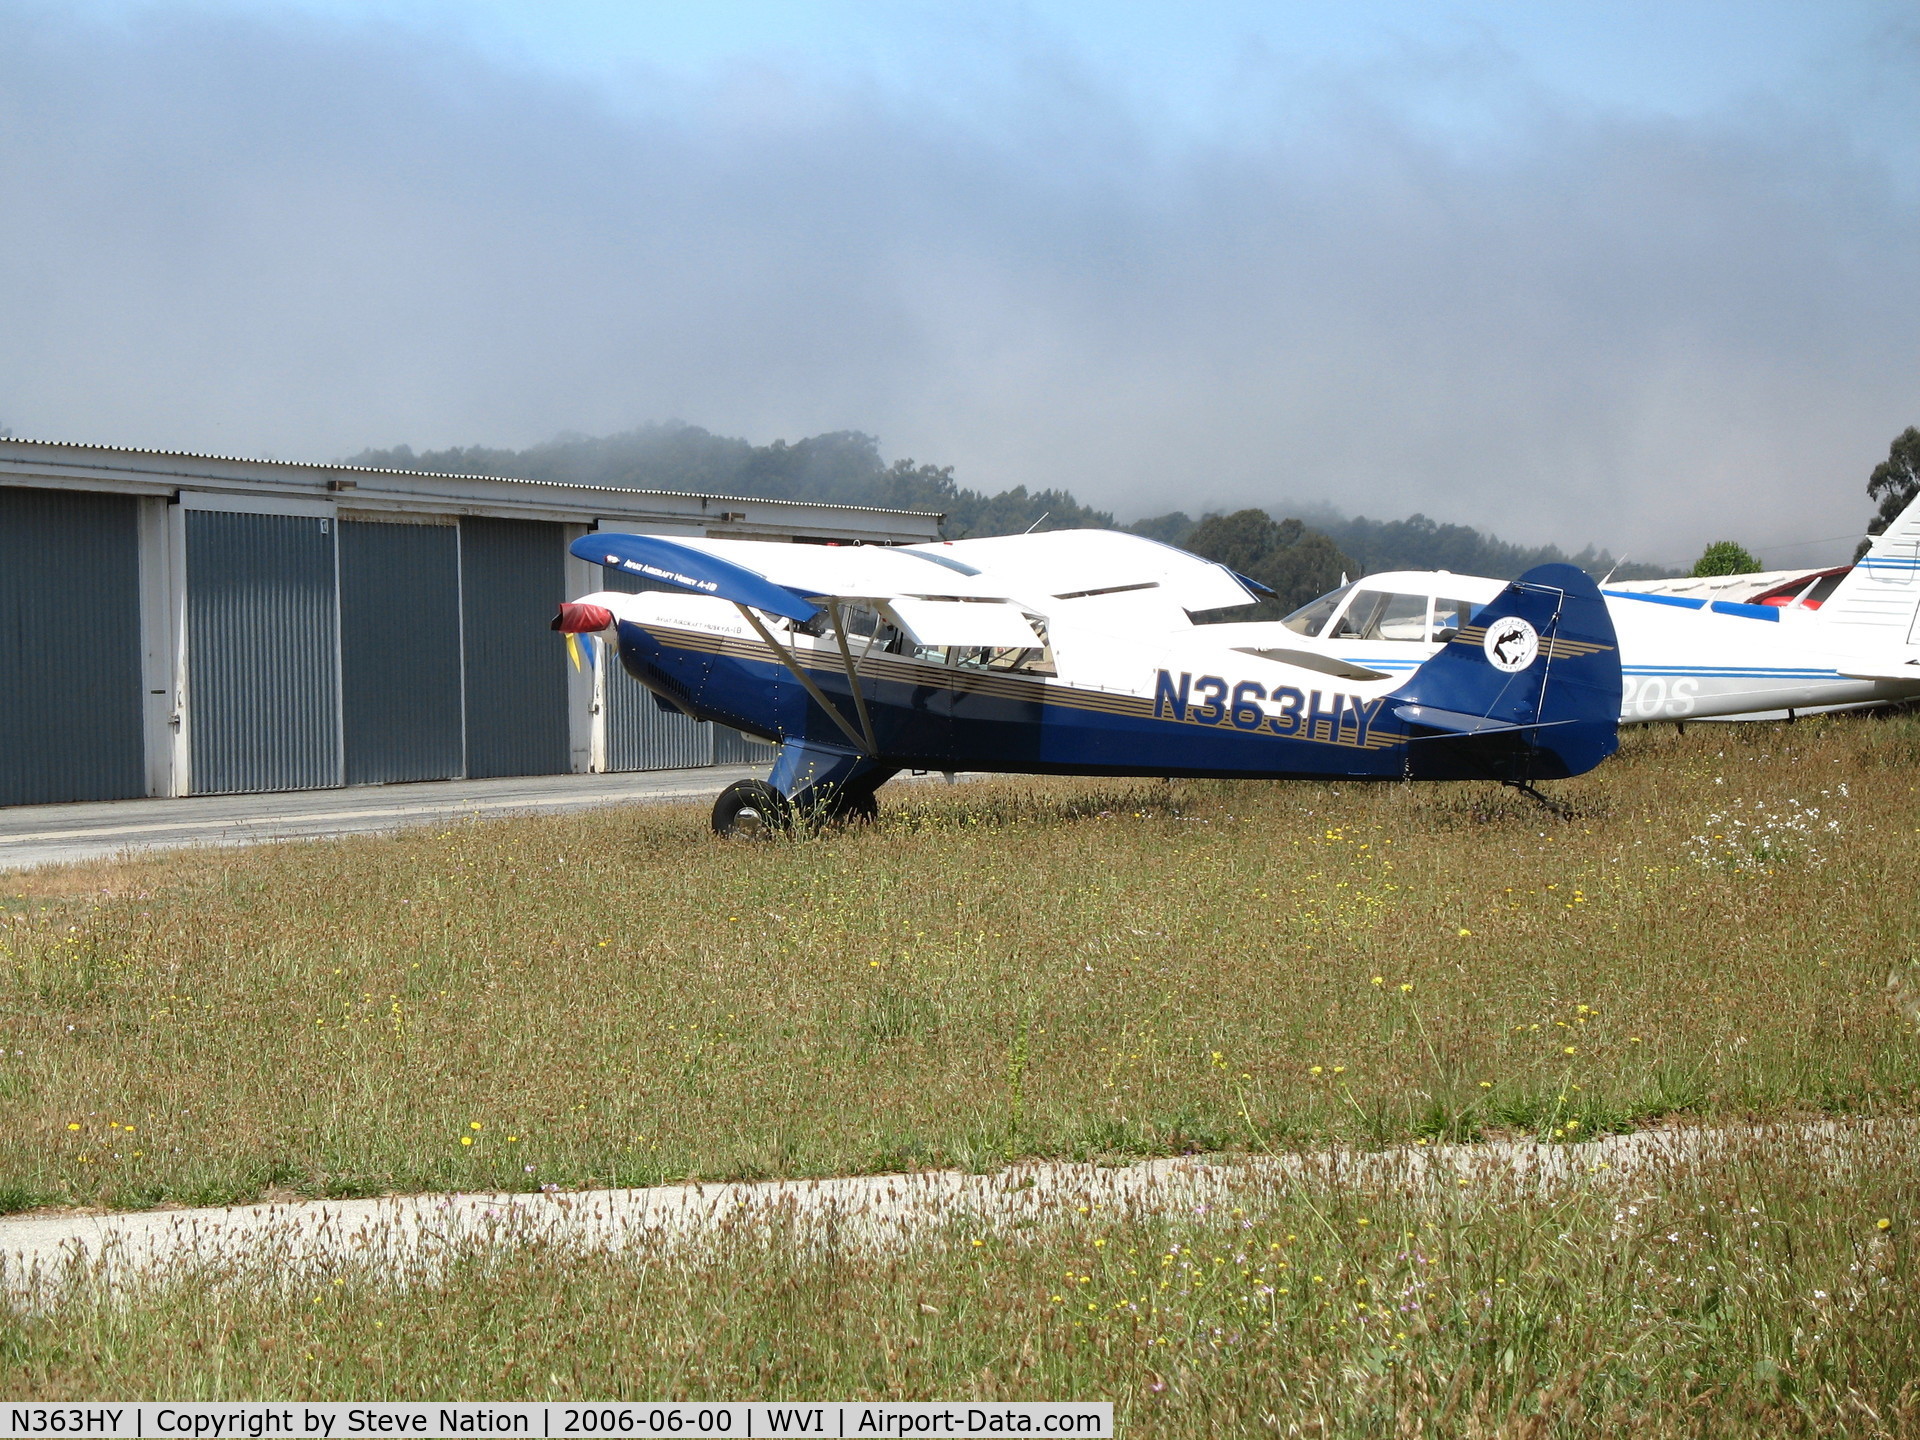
(846, 571)
(1034, 571)
(1084, 564)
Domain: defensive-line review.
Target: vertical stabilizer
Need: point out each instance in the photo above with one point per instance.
(1876, 608)
(1529, 691)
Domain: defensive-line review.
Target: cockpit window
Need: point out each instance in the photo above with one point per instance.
(861, 621)
(1381, 615)
(1450, 617)
(1028, 661)
(1309, 618)
(870, 633)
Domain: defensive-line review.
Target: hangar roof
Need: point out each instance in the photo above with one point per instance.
(358, 488)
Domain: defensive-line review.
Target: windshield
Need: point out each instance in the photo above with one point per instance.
(1308, 619)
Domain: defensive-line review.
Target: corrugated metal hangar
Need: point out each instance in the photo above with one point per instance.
(187, 624)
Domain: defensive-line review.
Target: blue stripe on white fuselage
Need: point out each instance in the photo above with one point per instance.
(1730, 672)
(1690, 672)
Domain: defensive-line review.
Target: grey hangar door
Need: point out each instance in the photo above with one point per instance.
(70, 703)
(643, 735)
(263, 656)
(401, 698)
(513, 575)
(640, 733)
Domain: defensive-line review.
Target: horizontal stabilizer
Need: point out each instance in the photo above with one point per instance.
(1908, 670)
(1454, 723)
(682, 567)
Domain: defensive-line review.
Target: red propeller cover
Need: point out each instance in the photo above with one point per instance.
(575, 619)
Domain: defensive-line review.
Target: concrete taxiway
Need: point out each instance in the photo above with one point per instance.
(33, 835)
(411, 1237)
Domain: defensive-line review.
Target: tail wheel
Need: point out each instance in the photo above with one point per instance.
(750, 809)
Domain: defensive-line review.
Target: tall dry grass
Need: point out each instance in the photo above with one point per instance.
(1767, 1294)
(1008, 968)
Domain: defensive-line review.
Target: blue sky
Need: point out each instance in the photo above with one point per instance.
(1677, 57)
(1573, 272)
(1207, 70)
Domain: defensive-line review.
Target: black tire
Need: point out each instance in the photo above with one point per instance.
(833, 806)
(751, 810)
(857, 809)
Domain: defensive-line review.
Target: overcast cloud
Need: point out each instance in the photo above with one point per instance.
(1561, 322)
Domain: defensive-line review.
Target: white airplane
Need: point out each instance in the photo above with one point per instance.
(1810, 588)
(1075, 652)
(1801, 642)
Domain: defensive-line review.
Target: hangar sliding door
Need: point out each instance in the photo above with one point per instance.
(642, 736)
(263, 655)
(70, 726)
(400, 702)
(731, 747)
(513, 575)
(639, 734)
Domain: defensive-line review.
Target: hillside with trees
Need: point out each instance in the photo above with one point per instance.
(1418, 543)
(1296, 563)
(845, 467)
(840, 468)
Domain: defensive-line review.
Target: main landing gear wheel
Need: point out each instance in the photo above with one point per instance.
(750, 809)
(862, 809)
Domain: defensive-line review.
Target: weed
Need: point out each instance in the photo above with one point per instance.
(1031, 967)
(1749, 1295)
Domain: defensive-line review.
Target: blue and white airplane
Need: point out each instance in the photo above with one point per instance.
(1075, 653)
(1802, 642)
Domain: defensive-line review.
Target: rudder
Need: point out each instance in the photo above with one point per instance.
(1529, 691)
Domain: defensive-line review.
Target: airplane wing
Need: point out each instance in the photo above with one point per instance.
(1085, 566)
(1038, 574)
(937, 602)
(843, 571)
(934, 602)
(695, 569)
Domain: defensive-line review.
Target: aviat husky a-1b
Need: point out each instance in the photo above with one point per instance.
(1075, 653)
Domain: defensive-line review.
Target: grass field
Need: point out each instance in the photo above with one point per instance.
(1763, 1295)
(1000, 969)
(1014, 969)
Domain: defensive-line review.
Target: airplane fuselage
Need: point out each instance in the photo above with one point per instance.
(1117, 703)
(1681, 659)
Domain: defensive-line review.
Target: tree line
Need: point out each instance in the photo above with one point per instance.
(843, 467)
(1297, 558)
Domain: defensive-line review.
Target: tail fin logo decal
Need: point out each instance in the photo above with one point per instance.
(1511, 644)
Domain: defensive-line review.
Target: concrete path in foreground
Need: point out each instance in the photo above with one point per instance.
(408, 1236)
(33, 835)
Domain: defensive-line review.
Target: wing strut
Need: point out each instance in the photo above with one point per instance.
(853, 676)
(863, 744)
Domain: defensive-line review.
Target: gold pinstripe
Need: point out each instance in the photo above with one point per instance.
(1005, 687)
(1555, 648)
